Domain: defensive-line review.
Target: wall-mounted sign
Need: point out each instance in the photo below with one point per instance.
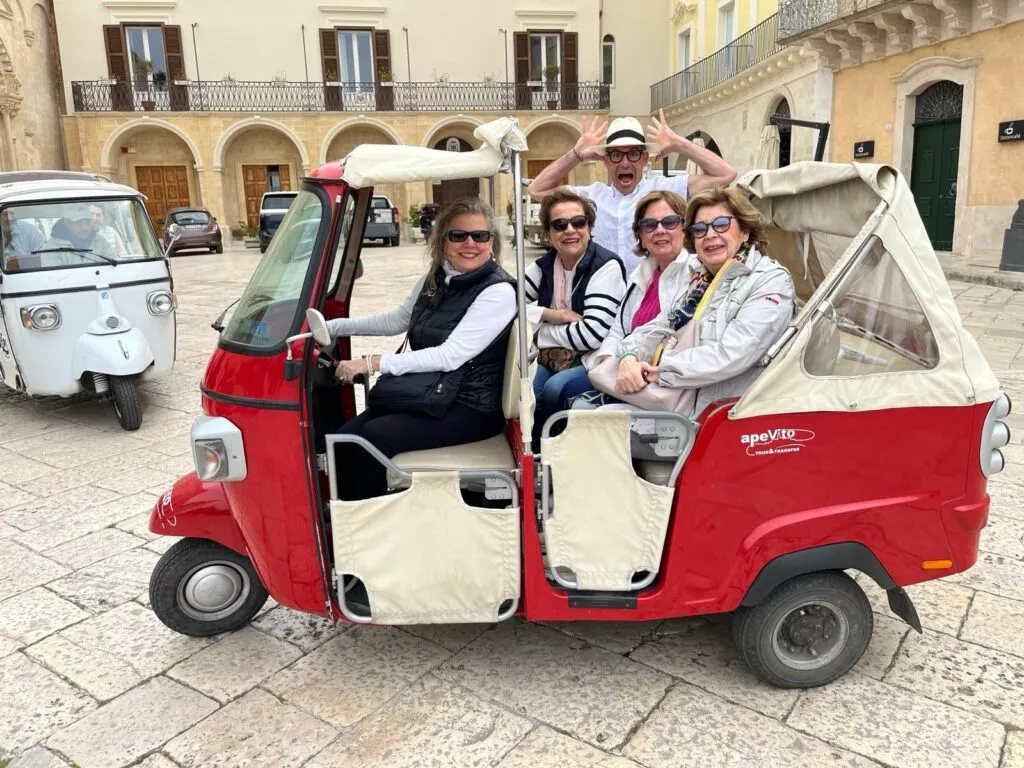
(864, 149)
(1012, 131)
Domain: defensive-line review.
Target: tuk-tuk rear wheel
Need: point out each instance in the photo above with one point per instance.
(809, 631)
(200, 588)
(127, 405)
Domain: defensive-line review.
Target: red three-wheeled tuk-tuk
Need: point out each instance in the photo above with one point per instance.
(864, 445)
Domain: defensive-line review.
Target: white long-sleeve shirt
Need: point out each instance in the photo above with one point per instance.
(488, 315)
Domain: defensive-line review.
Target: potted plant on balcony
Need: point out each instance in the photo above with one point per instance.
(143, 70)
(385, 90)
(385, 78)
(551, 78)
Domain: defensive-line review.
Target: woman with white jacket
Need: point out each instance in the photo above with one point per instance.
(747, 310)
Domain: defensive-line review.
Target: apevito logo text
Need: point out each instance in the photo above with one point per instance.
(776, 441)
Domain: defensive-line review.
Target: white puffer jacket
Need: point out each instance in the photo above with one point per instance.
(749, 311)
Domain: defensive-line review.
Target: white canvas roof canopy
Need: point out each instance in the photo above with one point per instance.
(873, 205)
(370, 164)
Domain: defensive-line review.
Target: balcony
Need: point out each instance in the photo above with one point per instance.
(800, 18)
(745, 51)
(259, 96)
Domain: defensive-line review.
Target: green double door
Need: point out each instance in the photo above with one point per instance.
(933, 178)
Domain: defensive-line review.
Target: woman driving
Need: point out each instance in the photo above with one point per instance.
(743, 300)
(445, 388)
(573, 292)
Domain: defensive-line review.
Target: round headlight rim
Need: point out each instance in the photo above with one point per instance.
(157, 296)
(30, 317)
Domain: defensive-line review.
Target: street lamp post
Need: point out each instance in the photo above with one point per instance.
(195, 52)
(505, 33)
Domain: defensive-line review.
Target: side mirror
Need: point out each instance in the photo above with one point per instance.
(174, 230)
(318, 327)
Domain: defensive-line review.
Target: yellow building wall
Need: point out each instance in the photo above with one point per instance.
(864, 108)
(703, 22)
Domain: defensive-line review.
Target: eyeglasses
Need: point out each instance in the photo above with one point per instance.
(720, 224)
(578, 222)
(460, 235)
(668, 222)
(616, 155)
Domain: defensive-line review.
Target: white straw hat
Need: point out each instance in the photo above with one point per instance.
(624, 133)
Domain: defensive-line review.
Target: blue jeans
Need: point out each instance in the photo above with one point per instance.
(553, 390)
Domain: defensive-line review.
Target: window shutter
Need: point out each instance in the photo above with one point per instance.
(570, 71)
(329, 55)
(175, 68)
(331, 68)
(117, 64)
(521, 50)
(175, 56)
(382, 70)
(382, 55)
(117, 69)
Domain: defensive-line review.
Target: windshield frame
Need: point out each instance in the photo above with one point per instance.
(136, 199)
(327, 214)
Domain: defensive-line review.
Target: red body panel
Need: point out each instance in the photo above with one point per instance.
(198, 510)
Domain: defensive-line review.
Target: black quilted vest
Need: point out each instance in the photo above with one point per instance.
(595, 257)
(434, 317)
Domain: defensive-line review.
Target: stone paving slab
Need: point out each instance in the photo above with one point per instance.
(432, 724)
(578, 688)
(257, 731)
(897, 727)
(545, 748)
(995, 622)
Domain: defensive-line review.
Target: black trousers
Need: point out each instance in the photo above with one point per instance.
(360, 476)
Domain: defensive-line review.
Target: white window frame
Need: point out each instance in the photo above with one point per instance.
(607, 44)
(150, 93)
(544, 55)
(360, 83)
(684, 34)
(726, 5)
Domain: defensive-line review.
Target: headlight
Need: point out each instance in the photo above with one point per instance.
(211, 459)
(160, 302)
(217, 450)
(42, 317)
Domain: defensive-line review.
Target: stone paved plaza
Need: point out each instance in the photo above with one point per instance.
(89, 676)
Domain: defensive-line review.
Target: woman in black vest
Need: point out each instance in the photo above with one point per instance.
(574, 292)
(445, 387)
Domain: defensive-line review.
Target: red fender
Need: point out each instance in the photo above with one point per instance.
(198, 510)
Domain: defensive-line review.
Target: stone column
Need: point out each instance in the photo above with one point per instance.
(211, 189)
(8, 136)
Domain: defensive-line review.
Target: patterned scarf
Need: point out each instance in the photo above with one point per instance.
(699, 283)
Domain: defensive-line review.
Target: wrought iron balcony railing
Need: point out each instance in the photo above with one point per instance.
(254, 96)
(799, 17)
(746, 50)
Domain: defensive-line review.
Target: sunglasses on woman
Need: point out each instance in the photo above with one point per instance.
(560, 225)
(668, 222)
(460, 235)
(720, 224)
(616, 155)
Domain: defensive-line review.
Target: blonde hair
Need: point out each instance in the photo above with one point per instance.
(674, 201)
(437, 236)
(746, 215)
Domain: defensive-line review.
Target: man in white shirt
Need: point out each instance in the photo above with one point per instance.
(625, 152)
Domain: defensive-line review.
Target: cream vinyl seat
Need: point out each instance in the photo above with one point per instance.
(493, 453)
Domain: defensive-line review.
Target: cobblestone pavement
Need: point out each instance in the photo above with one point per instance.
(89, 677)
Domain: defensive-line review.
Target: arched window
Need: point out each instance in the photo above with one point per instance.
(785, 134)
(940, 101)
(608, 60)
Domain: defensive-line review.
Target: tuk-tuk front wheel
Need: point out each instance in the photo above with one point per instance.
(127, 405)
(809, 631)
(200, 588)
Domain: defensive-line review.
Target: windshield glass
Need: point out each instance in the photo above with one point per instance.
(75, 234)
(266, 311)
(191, 218)
(380, 202)
(277, 202)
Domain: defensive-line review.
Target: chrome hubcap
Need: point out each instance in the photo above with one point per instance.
(213, 590)
(811, 635)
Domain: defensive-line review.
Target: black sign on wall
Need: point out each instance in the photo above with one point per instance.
(1012, 131)
(863, 149)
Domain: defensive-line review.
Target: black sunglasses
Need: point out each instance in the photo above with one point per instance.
(616, 155)
(578, 222)
(668, 222)
(720, 224)
(460, 235)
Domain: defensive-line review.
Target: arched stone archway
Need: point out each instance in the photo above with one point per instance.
(458, 127)
(453, 134)
(548, 142)
(782, 109)
(158, 159)
(257, 156)
(343, 140)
